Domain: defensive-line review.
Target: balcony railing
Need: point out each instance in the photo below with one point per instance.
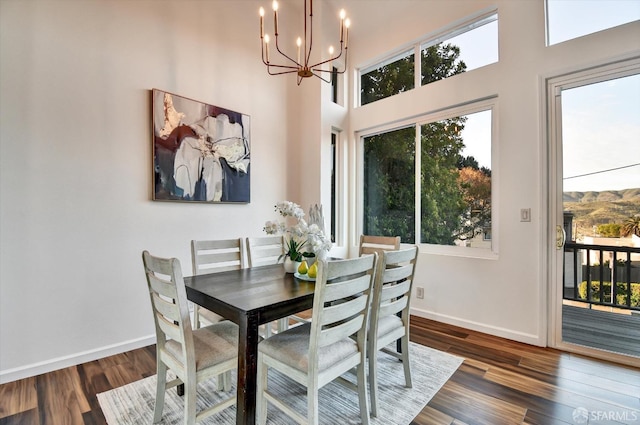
(589, 271)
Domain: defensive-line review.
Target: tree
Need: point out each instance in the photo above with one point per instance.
(609, 230)
(475, 186)
(631, 226)
(389, 158)
(442, 201)
(437, 63)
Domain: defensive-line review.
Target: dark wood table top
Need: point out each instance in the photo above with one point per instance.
(252, 290)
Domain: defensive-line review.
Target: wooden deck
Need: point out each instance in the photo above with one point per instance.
(618, 332)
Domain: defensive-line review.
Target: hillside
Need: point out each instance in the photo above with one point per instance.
(595, 208)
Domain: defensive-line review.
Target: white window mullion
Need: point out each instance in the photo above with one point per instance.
(418, 186)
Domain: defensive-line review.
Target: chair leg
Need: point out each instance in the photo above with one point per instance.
(161, 388)
(283, 324)
(405, 361)
(190, 403)
(312, 405)
(362, 393)
(261, 401)
(227, 381)
(373, 381)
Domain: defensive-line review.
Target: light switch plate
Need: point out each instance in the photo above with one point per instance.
(525, 214)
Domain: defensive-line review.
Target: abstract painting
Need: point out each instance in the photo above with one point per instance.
(201, 152)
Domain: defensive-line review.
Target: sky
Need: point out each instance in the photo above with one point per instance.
(601, 134)
(601, 122)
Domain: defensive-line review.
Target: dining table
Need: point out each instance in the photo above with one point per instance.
(250, 297)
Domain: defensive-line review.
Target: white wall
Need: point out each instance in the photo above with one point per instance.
(75, 147)
(505, 295)
(76, 176)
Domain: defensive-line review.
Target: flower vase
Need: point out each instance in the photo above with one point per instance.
(290, 266)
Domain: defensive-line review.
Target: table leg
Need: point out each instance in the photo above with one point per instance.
(247, 370)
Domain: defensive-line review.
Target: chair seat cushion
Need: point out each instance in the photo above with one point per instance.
(388, 324)
(209, 315)
(292, 348)
(213, 344)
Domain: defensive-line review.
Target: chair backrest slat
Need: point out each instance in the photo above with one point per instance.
(265, 250)
(170, 329)
(392, 307)
(370, 244)
(339, 312)
(398, 273)
(213, 256)
(330, 335)
(390, 290)
(162, 286)
(166, 308)
(339, 290)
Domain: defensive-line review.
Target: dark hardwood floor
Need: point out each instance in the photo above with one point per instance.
(500, 382)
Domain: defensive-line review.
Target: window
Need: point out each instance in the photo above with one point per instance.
(466, 47)
(472, 46)
(334, 84)
(389, 184)
(391, 77)
(334, 175)
(447, 160)
(568, 19)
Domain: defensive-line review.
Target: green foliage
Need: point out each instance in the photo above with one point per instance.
(441, 61)
(609, 230)
(449, 208)
(631, 226)
(389, 192)
(437, 63)
(621, 292)
(442, 201)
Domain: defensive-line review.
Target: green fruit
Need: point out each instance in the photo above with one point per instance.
(313, 270)
(302, 268)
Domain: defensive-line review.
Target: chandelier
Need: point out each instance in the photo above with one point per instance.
(301, 65)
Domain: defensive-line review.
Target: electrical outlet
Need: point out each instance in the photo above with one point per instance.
(525, 214)
(420, 293)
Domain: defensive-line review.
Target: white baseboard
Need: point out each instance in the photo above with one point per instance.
(481, 327)
(34, 369)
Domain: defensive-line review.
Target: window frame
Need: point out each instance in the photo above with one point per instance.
(416, 46)
(478, 105)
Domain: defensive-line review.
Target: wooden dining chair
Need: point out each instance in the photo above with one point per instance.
(265, 250)
(214, 256)
(390, 313)
(370, 244)
(316, 353)
(193, 355)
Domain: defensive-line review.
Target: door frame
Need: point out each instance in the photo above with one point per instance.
(553, 258)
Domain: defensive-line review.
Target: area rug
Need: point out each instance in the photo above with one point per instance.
(397, 405)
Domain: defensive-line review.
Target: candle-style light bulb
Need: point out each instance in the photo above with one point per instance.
(275, 16)
(266, 45)
(261, 22)
(347, 24)
(299, 43)
(342, 16)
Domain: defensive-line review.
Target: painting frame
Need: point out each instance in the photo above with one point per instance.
(201, 152)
